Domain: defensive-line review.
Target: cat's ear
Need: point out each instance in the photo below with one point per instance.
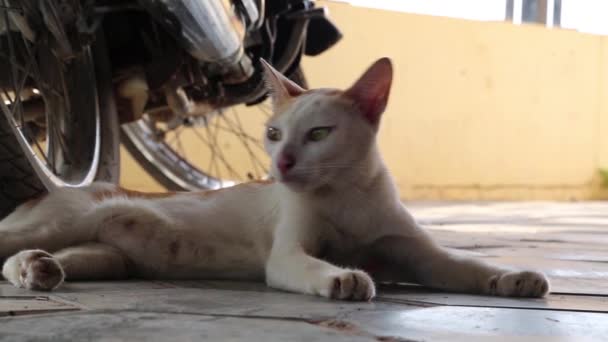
(281, 88)
(371, 91)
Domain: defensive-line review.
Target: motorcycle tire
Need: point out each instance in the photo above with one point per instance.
(24, 175)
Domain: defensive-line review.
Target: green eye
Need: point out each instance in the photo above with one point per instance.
(319, 133)
(273, 134)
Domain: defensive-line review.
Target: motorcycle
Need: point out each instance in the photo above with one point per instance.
(77, 77)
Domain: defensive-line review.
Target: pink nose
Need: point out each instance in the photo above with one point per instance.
(286, 162)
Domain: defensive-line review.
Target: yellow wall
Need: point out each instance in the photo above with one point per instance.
(478, 110)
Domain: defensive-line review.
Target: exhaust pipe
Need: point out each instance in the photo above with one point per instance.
(208, 29)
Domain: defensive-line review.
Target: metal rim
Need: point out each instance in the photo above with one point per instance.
(68, 154)
(167, 154)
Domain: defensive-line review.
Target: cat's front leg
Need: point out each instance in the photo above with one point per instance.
(291, 269)
(519, 284)
(415, 257)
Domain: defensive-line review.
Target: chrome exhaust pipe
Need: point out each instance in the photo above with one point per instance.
(208, 29)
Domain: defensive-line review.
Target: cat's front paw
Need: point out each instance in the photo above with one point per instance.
(33, 269)
(352, 285)
(519, 284)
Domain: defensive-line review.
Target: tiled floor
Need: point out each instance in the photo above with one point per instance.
(569, 241)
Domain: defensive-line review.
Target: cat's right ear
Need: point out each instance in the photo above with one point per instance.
(281, 88)
(371, 91)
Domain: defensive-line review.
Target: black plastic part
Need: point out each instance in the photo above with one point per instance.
(322, 34)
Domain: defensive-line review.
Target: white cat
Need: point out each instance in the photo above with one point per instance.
(332, 213)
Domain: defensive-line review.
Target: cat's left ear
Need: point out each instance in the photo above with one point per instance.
(371, 91)
(281, 88)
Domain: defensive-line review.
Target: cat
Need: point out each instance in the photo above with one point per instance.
(329, 223)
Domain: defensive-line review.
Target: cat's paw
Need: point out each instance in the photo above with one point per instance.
(352, 285)
(519, 284)
(34, 270)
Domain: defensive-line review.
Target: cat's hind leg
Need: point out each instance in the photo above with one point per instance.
(39, 270)
(47, 223)
(33, 269)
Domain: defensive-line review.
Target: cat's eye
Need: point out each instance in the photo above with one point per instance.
(273, 134)
(319, 133)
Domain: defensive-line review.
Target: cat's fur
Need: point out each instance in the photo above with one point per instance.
(332, 218)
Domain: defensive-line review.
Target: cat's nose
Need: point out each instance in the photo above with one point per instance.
(286, 162)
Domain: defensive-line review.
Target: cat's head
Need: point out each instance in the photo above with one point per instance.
(315, 136)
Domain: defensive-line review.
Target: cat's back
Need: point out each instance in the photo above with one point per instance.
(243, 202)
(244, 207)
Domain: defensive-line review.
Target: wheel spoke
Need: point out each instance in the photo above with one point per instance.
(18, 86)
(41, 83)
(256, 141)
(212, 159)
(220, 154)
(31, 92)
(42, 153)
(214, 152)
(19, 90)
(178, 141)
(223, 149)
(58, 136)
(9, 98)
(47, 89)
(211, 166)
(16, 100)
(241, 134)
(7, 8)
(252, 157)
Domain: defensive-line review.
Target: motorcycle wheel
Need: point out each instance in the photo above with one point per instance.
(205, 153)
(58, 122)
